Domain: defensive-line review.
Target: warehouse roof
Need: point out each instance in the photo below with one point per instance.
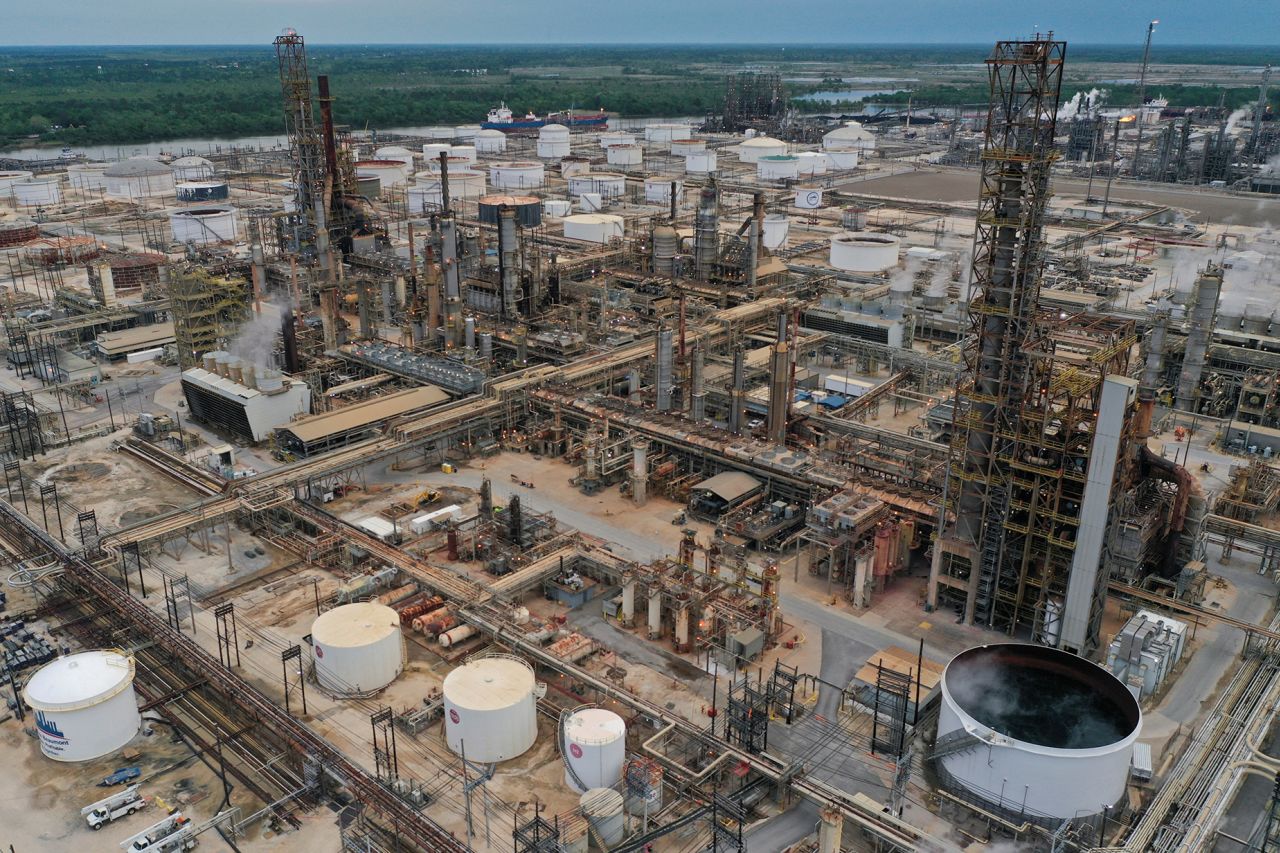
(730, 485)
(131, 340)
(364, 414)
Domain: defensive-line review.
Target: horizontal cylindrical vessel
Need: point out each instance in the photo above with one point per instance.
(358, 648)
(490, 708)
(84, 705)
(1036, 731)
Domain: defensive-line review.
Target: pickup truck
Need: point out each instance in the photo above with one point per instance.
(121, 776)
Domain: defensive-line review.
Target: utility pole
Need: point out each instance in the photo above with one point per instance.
(1142, 96)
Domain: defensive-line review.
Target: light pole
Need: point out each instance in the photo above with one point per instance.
(1142, 95)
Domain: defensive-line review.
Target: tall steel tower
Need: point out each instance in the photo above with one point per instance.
(1026, 81)
(310, 227)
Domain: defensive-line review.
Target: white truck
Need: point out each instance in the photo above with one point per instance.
(172, 833)
(117, 805)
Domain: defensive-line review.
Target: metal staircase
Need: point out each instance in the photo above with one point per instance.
(953, 743)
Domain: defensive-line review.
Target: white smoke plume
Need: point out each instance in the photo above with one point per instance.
(1081, 102)
(256, 341)
(1238, 116)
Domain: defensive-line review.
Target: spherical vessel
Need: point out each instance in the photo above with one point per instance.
(751, 150)
(36, 191)
(593, 227)
(624, 155)
(603, 809)
(863, 251)
(1036, 731)
(84, 705)
(515, 175)
(490, 708)
(200, 225)
(595, 748)
(357, 648)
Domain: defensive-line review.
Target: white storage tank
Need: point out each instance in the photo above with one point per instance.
(843, 159)
(490, 704)
(395, 152)
(438, 132)
(138, 178)
(557, 207)
(657, 190)
(427, 194)
(192, 169)
(776, 228)
(700, 164)
(200, 225)
(553, 141)
(595, 748)
(685, 147)
(1036, 731)
(391, 173)
(603, 809)
(778, 167)
(593, 227)
(84, 705)
(516, 175)
(864, 251)
(11, 177)
(37, 191)
(570, 166)
(813, 163)
(808, 198)
(431, 151)
(489, 141)
(357, 647)
(664, 132)
(616, 137)
(463, 152)
(624, 155)
(751, 150)
(466, 132)
(87, 176)
(606, 184)
(851, 137)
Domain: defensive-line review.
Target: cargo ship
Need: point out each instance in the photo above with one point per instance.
(500, 118)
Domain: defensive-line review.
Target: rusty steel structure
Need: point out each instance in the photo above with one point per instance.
(307, 229)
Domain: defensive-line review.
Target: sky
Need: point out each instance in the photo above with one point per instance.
(90, 22)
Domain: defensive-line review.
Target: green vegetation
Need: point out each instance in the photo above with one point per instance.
(131, 95)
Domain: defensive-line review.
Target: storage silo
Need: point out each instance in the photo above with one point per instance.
(490, 141)
(595, 748)
(700, 164)
(776, 228)
(553, 141)
(192, 169)
(593, 227)
(864, 251)
(490, 708)
(84, 704)
(37, 191)
(603, 809)
(1035, 732)
(357, 647)
(200, 225)
(138, 178)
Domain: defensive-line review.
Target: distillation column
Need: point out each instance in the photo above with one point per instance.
(509, 260)
(1203, 316)
(452, 280)
(663, 363)
(697, 394)
(780, 384)
(639, 471)
(738, 394)
(706, 233)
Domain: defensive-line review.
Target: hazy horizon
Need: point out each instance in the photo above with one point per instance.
(134, 23)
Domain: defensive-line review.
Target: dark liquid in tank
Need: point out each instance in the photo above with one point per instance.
(1039, 706)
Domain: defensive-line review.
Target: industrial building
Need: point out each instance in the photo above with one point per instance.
(654, 485)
